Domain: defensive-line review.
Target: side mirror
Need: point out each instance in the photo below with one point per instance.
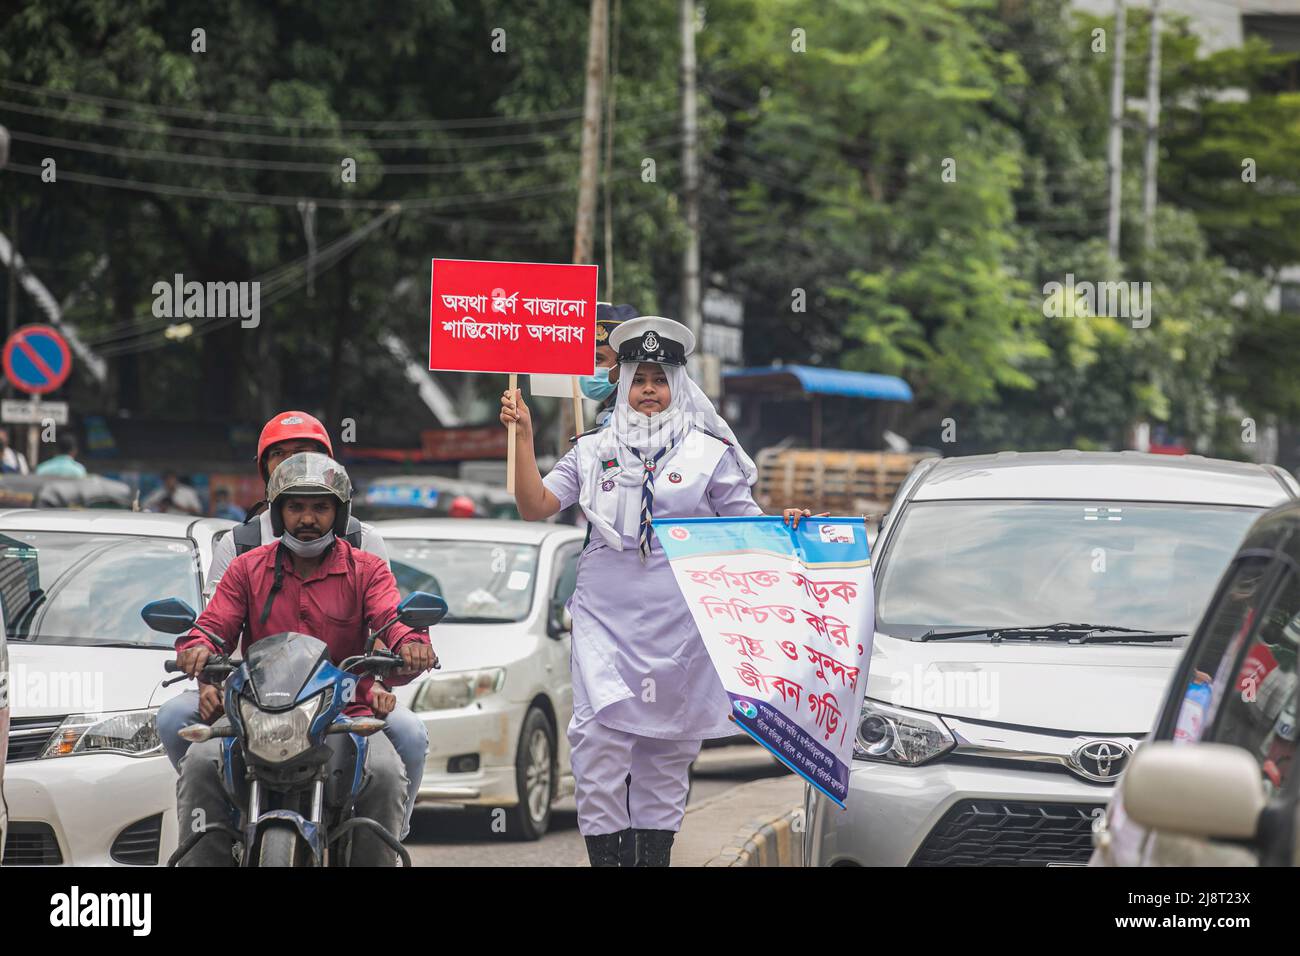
(1200, 790)
(560, 622)
(420, 609)
(171, 616)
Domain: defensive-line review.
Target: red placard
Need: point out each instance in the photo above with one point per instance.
(522, 317)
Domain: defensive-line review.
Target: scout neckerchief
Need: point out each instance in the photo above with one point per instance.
(647, 498)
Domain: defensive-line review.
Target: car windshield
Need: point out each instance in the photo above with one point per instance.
(975, 564)
(70, 588)
(483, 582)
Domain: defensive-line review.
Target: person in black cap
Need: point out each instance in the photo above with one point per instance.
(645, 693)
(601, 386)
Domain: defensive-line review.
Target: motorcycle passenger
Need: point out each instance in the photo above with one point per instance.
(290, 433)
(311, 580)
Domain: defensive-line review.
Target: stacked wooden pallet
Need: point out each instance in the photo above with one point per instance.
(840, 482)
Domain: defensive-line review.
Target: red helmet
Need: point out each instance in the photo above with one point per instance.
(287, 426)
(462, 506)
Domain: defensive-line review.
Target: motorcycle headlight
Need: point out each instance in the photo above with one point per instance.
(459, 689)
(899, 736)
(133, 733)
(280, 736)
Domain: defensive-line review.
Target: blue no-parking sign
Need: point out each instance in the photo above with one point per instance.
(36, 359)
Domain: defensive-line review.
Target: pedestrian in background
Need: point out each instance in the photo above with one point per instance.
(11, 462)
(601, 386)
(223, 507)
(64, 464)
(645, 694)
(173, 497)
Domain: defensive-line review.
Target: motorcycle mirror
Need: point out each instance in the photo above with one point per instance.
(171, 616)
(420, 609)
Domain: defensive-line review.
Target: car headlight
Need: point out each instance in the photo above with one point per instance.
(133, 733)
(458, 689)
(281, 735)
(900, 736)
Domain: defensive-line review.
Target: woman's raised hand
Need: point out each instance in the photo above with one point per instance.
(514, 410)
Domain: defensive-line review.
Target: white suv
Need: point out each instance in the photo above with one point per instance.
(1030, 609)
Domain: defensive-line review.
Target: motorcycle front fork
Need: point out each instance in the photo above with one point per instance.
(317, 806)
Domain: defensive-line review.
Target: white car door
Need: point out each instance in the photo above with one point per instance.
(1240, 689)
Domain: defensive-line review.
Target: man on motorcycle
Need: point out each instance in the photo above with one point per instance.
(290, 433)
(311, 580)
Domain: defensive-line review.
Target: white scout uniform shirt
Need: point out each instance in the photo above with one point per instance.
(638, 659)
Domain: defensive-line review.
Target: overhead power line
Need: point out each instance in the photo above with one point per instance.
(262, 119)
(296, 142)
(239, 162)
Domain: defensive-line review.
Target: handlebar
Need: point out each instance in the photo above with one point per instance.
(380, 662)
(217, 669)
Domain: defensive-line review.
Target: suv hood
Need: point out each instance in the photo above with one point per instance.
(1099, 689)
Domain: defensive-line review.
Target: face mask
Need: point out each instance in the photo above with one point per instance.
(597, 387)
(307, 549)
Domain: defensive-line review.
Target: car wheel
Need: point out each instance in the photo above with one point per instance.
(534, 778)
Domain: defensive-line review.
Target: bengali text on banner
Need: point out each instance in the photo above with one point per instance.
(788, 617)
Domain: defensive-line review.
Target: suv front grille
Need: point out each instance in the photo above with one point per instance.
(1001, 833)
(29, 735)
(31, 844)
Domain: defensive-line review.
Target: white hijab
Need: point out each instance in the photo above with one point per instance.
(629, 433)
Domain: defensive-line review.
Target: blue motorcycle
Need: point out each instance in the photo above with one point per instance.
(282, 701)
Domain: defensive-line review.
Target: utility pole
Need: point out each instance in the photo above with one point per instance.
(1153, 133)
(584, 226)
(12, 321)
(13, 231)
(1116, 151)
(690, 177)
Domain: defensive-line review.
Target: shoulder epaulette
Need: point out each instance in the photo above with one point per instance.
(718, 437)
(574, 438)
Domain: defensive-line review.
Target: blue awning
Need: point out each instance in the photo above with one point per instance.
(820, 381)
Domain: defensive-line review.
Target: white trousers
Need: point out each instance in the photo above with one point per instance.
(602, 758)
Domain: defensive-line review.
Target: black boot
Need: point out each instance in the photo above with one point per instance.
(653, 847)
(627, 848)
(603, 850)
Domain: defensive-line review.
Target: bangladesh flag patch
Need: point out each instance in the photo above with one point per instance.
(612, 463)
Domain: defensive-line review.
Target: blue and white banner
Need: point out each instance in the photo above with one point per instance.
(787, 616)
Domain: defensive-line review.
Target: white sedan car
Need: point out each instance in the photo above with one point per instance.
(497, 709)
(87, 783)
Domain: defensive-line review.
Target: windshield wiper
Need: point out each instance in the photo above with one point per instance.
(1070, 633)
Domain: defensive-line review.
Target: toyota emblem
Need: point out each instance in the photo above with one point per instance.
(1101, 760)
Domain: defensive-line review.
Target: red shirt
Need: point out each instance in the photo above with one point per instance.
(351, 593)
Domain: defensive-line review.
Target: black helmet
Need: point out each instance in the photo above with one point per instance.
(309, 473)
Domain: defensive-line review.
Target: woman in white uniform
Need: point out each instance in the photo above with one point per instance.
(645, 694)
